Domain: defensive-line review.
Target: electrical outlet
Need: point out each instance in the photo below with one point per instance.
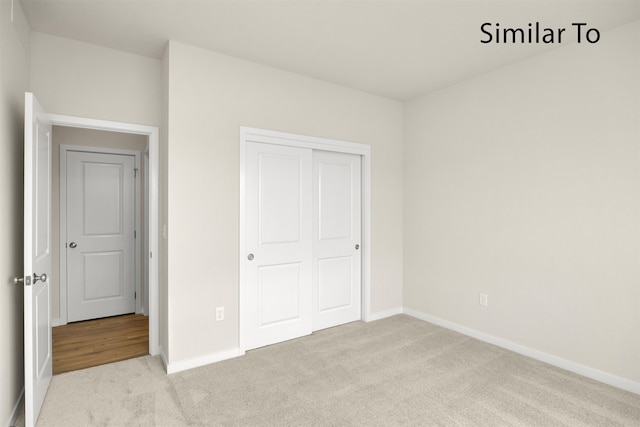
(219, 313)
(484, 300)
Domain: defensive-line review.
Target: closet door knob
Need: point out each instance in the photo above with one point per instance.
(250, 257)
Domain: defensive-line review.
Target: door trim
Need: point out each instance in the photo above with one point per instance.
(62, 195)
(249, 134)
(154, 148)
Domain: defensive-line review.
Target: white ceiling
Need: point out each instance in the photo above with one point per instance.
(394, 48)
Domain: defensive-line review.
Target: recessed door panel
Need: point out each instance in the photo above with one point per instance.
(334, 283)
(102, 200)
(103, 276)
(279, 198)
(280, 289)
(335, 200)
(43, 354)
(43, 195)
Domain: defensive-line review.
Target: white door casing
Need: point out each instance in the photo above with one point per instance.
(336, 239)
(278, 221)
(100, 241)
(37, 258)
(147, 230)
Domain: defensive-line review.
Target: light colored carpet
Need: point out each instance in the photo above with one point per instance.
(395, 371)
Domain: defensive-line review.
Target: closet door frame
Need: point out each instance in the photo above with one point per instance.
(250, 134)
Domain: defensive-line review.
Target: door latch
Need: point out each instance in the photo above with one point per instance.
(20, 280)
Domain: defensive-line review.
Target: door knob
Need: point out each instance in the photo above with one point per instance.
(357, 247)
(73, 245)
(250, 257)
(42, 277)
(19, 280)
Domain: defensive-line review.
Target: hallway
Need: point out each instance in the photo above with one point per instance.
(96, 342)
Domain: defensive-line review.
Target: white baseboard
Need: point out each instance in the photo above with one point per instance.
(163, 358)
(57, 322)
(183, 365)
(16, 410)
(382, 314)
(559, 362)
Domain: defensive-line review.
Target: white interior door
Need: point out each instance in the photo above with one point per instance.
(100, 241)
(278, 243)
(336, 239)
(37, 258)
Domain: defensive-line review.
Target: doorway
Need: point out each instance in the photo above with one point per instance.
(149, 249)
(90, 343)
(288, 163)
(98, 181)
(38, 242)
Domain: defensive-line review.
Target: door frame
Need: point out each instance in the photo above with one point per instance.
(153, 173)
(62, 195)
(250, 134)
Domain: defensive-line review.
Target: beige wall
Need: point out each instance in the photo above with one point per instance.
(14, 81)
(63, 135)
(210, 96)
(85, 80)
(523, 183)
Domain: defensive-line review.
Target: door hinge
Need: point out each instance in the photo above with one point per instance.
(135, 295)
(135, 234)
(135, 172)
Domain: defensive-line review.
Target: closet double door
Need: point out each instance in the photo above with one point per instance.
(303, 231)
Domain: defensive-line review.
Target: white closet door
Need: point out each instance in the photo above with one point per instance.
(278, 242)
(336, 239)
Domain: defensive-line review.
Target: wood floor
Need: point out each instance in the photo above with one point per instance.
(90, 343)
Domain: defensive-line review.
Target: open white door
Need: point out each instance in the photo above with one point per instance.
(37, 258)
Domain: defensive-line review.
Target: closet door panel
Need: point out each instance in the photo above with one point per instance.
(278, 271)
(336, 239)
